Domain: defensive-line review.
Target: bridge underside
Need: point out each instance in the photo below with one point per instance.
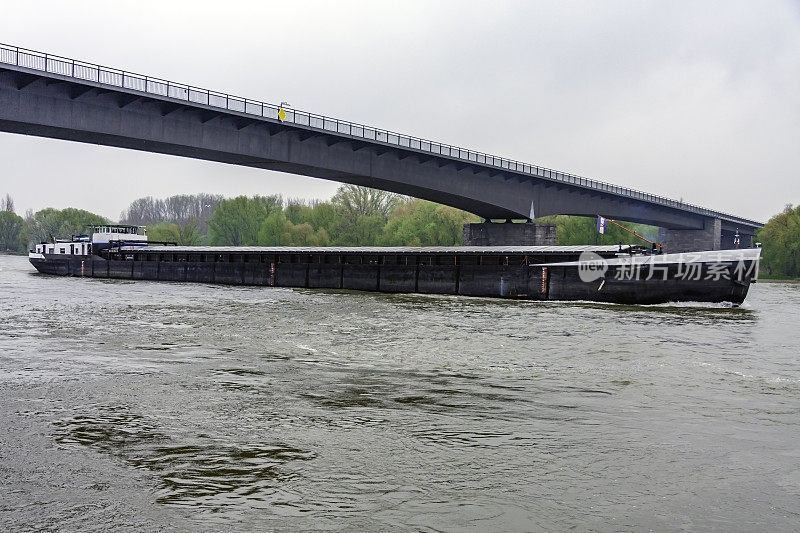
(48, 105)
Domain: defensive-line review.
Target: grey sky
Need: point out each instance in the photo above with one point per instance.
(692, 100)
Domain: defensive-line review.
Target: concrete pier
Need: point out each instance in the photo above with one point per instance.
(509, 234)
(692, 240)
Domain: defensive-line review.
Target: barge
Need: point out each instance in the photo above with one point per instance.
(619, 274)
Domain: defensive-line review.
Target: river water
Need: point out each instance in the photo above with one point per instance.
(184, 407)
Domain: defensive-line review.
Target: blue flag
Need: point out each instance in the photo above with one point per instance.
(601, 224)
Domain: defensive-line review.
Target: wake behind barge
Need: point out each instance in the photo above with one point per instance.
(618, 274)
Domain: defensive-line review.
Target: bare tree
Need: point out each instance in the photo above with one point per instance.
(180, 209)
(144, 211)
(7, 203)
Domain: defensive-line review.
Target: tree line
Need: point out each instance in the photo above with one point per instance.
(355, 216)
(780, 238)
(18, 233)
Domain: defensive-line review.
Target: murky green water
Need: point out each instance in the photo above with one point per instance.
(162, 406)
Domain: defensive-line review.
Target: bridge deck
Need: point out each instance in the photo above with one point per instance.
(32, 63)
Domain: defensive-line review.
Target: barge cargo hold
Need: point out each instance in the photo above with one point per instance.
(619, 274)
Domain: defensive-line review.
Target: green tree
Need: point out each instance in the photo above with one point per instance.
(11, 226)
(297, 212)
(362, 230)
(189, 233)
(181, 234)
(237, 221)
(323, 215)
(163, 232)
(305, 235)
(272, 231)
(361, 213)
(423, 223)
(278, 230)
(780, 238)
(50, 223)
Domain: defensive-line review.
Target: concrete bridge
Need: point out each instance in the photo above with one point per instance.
(52, 96)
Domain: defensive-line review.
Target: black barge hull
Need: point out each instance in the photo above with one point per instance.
(506, 274)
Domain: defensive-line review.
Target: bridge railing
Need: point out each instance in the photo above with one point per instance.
(147, 84)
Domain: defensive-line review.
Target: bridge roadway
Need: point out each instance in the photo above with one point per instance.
(56, 97)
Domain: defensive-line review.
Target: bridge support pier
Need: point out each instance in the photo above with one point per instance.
(692, 240)
(509, 234)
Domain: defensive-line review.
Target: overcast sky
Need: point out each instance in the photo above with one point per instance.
(693, 100)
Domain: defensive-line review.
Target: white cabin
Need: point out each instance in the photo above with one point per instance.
(118, 233)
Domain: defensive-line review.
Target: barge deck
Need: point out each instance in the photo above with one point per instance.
(623, 274)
